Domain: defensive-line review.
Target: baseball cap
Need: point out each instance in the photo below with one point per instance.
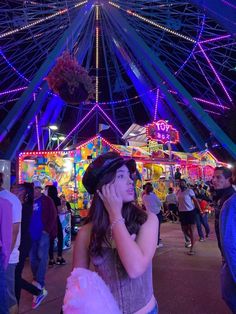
(38, 184)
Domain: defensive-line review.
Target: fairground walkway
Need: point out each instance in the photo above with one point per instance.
(183, 284)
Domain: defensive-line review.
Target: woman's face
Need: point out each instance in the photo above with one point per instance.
(124, 184)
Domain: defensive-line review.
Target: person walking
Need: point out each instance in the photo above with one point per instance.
(25, 193)
(52, 192)
(43, 227)
(14, 256)
(187, 203)
(119, 238)
(153, 204)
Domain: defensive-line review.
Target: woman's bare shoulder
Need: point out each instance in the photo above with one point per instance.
(151, 218)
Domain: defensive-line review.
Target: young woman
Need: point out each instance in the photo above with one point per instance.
(119, 239)
(52, 192)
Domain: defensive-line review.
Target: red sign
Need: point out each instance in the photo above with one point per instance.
(162, 132)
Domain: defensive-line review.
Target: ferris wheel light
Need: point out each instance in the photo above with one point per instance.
(53, 127)
(60, 12)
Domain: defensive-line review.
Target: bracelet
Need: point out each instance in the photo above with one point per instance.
(115, 222)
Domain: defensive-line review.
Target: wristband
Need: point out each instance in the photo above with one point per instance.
(115, 222)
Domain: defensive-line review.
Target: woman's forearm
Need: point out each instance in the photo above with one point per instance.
(136, 255)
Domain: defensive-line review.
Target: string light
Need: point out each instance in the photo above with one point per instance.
(156, 104)
(12, 66)
(210, 103)
(13, 90)
(168, 30)
(16, 30)
(97, 53)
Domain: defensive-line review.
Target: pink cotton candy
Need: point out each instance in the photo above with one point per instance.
(87, 293)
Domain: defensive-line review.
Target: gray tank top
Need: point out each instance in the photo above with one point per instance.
(130, 294)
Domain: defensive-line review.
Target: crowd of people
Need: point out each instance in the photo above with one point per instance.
(119, 238)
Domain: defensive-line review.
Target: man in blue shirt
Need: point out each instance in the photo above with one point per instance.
(43, 226)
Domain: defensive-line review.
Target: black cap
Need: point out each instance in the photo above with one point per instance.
(103, 164)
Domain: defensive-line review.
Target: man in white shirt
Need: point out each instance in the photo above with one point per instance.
(187, 204)
(14, 257)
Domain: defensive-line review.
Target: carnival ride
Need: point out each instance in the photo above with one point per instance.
(151, 60)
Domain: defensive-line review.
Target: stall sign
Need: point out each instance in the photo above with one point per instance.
(162, 132)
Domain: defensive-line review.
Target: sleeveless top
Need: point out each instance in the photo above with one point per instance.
(130, 294)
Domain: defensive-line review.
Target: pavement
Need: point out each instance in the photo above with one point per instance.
(183, 284)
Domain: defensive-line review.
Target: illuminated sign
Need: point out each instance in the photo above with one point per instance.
(162, 132)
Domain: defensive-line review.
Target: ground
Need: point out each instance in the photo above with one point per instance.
(183, 284)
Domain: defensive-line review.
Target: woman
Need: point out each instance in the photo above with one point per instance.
(119, 238)
(153, 204)
(52, 192)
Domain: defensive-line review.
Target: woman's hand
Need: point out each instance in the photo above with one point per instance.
(112, 200)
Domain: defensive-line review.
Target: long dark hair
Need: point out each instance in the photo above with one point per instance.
(29, 193)
(98, 216)
(52, 192)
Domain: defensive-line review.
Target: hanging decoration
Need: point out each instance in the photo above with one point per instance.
(70, 80)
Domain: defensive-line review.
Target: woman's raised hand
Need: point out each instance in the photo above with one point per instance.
(112, 200)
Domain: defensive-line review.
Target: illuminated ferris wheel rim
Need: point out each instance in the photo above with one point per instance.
(196, 43)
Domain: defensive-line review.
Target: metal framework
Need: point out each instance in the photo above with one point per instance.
(140, 46)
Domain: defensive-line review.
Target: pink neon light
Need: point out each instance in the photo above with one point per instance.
(210, 102)
(76, 127)
(214, 39)
(162, 132)
(109, 119)
(156, 104)
(212, 89)
(216, 74)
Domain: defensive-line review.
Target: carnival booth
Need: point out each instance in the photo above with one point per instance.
(66, 168)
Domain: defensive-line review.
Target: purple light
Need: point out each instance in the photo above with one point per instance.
(216, 47)
(229, 4)
(13, 90)
(216, 74)
(12, 66)
(76, 127)
(37, 131)
(194, 47)
(214, 39)
(210, 103)
(213, 112)
(207, 80)
(109, 119)
(156, 105)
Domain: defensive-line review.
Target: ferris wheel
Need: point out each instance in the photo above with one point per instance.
(151, 59)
